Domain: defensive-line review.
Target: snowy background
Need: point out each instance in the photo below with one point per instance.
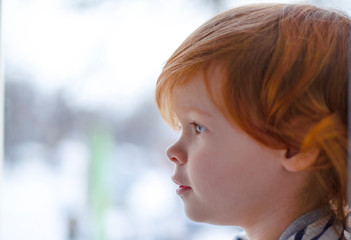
(84, 144)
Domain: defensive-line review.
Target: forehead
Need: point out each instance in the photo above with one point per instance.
(208, 78)
(190, 94)
(196, 93)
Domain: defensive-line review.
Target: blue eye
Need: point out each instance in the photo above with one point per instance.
(198, 128)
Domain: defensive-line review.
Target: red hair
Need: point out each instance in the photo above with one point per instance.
(285, 81)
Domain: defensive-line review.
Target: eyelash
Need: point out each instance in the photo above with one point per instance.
(197, 127)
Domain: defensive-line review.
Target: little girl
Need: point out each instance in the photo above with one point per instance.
(259, 94)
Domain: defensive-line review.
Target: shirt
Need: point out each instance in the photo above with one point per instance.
(319, 224)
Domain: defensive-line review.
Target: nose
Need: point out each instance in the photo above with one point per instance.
(176, 153)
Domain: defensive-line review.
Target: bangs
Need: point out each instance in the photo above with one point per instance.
(165, 86)
(165, 101)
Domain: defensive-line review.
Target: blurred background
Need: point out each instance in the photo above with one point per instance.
(84, 143)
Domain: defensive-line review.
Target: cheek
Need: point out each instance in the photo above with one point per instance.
(223, 169)
(212, 171)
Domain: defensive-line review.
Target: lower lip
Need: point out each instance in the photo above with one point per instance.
(183, 189)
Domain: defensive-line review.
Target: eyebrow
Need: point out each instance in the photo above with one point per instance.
(196, 110)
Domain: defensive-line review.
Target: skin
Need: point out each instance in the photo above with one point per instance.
(225, 176)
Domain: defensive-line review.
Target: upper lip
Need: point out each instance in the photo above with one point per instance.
(177, 181)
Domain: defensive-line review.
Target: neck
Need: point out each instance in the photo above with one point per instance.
(271, 226)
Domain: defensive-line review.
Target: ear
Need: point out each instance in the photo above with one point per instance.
(295, 160)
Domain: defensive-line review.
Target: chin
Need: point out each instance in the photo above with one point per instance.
(197, 215)
(203, 216)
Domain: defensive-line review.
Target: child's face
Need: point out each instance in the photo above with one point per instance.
(225, 176)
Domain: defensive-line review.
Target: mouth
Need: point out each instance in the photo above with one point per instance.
(182, 189)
